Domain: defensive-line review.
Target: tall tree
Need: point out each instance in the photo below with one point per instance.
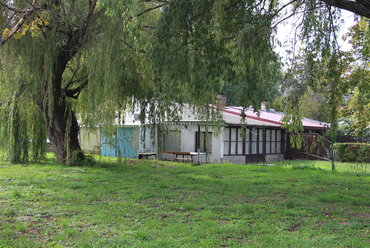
(57, 49)
(357, 79)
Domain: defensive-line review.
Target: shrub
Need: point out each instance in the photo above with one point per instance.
(352, 152)
(359, 153)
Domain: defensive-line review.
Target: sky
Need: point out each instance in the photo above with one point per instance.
(285, 35)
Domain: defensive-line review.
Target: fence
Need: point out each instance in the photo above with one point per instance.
(350, 139)
(313, 147)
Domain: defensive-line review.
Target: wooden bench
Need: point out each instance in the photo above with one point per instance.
(141, 155)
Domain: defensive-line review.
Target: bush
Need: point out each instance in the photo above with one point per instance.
(359, 153)
(352, 152)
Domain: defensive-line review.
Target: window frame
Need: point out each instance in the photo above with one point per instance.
(209, 136)
(248, 143)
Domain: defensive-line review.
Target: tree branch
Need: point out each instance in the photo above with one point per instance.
(141, 50)
(147, 10)
(27, 11)
(71, 81)
(354, 7)
(12, 9)
(76, 38)
(283, 7)
(71, 93)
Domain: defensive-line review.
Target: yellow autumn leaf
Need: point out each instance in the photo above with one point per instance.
(26, 27)
(46, 23)
(16, 36)
(5, 31)
(41, 19)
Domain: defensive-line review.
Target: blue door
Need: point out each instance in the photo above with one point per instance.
(119, 144)
(124, 143)
(108, 144)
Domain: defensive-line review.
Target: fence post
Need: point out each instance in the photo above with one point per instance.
(332, 156)
(307, 145)
(264, 145)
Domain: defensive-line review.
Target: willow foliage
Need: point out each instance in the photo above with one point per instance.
(99, 59)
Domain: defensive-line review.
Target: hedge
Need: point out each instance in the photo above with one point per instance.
(352, 152)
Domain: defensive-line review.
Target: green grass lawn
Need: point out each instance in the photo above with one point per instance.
(161, 204)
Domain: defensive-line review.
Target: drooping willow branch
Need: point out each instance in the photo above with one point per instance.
(27, 12)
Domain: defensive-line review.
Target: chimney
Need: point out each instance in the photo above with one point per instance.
(264, 105)
(222, 98)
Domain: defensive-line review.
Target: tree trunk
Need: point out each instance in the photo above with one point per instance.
(63, 130)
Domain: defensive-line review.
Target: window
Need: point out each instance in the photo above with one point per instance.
(227, 141)
(233, 140)
(240, 141)
(268, 141)
(247, 141)
(253, 143)
(278, 143)
(205, 142)
(172, 141)
(260, 139)
(273, 141)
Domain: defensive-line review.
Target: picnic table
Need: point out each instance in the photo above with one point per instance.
(186, 156)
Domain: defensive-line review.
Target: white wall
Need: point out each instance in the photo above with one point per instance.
(90, 140)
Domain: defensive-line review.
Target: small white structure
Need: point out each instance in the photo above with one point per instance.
(236, 142)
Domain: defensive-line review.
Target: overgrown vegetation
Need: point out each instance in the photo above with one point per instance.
(357, 153)
(135, 203)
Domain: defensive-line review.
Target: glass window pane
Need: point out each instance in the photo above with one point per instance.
(273, 132)
(278, 144)
(202, 142)
(247, 147)
(227, 134)
(240, 134)
(268, 147)
(233, 148)
(273, 147)
(240, 147)
(254, 135)
(233, 134)
(254, 147)
(226, 148)
(260, 149)
(267, 135)
(209, 142)
(172, 141)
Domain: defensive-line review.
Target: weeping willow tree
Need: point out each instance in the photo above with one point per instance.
(54, 50)
(99, 58)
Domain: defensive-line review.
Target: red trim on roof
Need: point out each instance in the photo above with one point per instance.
(253, 117)
(237, 112)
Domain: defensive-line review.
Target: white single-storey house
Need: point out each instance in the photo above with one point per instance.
(235, 142)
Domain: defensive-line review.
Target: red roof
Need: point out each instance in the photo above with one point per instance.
(273, 117)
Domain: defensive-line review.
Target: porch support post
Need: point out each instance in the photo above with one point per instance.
(198, 142)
